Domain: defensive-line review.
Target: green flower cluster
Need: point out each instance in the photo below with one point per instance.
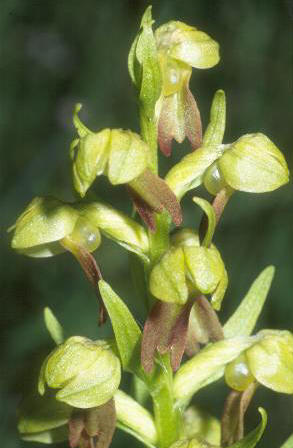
(173, 270)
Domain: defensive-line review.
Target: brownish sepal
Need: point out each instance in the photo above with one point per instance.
(146, 213)
(165, 330)
(90, 268)
(152, 194)
(179, 119)
(211, 328)
(94, 427)
(232, 423)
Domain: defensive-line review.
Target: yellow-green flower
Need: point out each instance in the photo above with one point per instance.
(188, 268)
(86, 373)
(181, 47)
(269, 361)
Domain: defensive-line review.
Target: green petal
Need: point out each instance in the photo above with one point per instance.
(128, 156)
(254, 164)
(91, 160)
(271, 360)
(117, 226)
(94, 386)
(167, 279)
(188, 173)
(205, 266)
(46, 220)
(188, 44)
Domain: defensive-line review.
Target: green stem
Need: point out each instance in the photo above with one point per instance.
(149, 134)
(167, 418)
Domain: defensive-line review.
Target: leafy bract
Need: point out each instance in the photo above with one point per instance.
(126, 330)
(243, 321)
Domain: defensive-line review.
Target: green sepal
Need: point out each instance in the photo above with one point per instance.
(243, 320)
(87, 373)
(41, 226)
(206, 365)
(128, 156)
(205, 267)
(80, 127)
(90, 160)
(126, 330)
(254, 164)
(189, 172)
(53, 326)
(135, 417)
(251, 440)
(187, 44)
(144, 66)
(118, 227)
(211, 218)
(216, 128)
(218, 294)
(270, 360)
(167, 279)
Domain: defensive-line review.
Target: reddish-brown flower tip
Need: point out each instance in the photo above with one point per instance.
(204, 326)
(179, 118)
(92, 428)
(146, 213)
(90, 268)
(165, 331)
(152, 194)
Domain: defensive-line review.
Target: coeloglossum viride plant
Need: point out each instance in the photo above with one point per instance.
(179, 272)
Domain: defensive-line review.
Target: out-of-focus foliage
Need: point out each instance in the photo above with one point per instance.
(54, 54)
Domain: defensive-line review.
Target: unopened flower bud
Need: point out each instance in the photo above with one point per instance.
(86, 373)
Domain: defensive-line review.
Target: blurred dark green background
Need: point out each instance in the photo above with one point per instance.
(55, 53)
